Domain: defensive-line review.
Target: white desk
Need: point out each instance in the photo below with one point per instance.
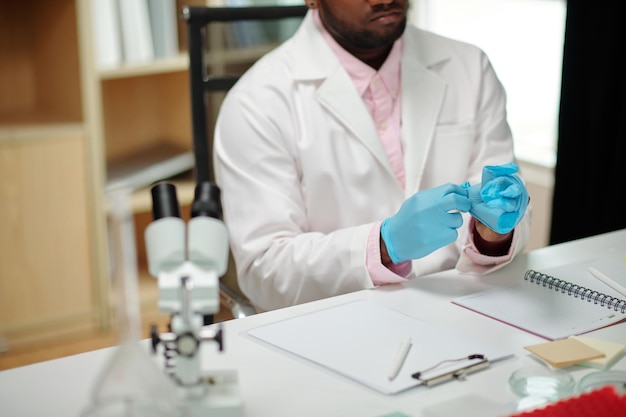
(274, 384)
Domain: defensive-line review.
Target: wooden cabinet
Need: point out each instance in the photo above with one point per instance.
(63, 124)
(49, 279)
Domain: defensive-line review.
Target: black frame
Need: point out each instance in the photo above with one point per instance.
(197, 18)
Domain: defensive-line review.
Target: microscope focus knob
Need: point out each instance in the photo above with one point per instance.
(154, 336)
(219, 338)
(187, 344)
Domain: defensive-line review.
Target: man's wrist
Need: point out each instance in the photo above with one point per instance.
(385, 259)
(492, 243)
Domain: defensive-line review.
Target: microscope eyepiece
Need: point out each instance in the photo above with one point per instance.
(164, 201)
(207, 201)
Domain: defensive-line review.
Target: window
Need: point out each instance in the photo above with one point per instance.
(524, 41)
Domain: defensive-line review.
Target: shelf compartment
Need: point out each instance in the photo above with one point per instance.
(39, 75)
(141, 112)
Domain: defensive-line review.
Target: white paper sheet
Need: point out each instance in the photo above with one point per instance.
(360, 339)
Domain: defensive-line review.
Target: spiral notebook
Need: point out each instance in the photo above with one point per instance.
(555, 303)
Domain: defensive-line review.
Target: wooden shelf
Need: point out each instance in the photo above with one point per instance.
(39, 131)
(142, 199)
(159, 66)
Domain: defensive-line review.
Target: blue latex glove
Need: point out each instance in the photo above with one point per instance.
(500, 200)
(425, 222)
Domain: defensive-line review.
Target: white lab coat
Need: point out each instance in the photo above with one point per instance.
(304, 176)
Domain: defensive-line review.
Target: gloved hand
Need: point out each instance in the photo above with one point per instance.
(500, 200)
(425, 222)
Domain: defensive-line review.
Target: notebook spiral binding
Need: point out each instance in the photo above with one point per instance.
(584, 293)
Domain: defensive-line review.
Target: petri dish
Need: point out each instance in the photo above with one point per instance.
(542, 383)
(599, 379)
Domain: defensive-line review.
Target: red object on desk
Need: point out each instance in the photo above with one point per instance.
(602, 402)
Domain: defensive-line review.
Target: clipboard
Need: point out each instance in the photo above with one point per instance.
(358, 340)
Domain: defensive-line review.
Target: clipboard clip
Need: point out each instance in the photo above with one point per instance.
(459, 374)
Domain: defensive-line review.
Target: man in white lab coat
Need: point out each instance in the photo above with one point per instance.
(341, 155)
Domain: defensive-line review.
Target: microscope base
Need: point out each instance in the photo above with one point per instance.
(218, 397)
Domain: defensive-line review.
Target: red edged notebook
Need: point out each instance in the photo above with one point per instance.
(602, 402)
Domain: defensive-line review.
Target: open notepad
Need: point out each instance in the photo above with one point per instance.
(556, 302)
(360, 340)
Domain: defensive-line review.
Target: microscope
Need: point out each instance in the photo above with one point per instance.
(188, 260)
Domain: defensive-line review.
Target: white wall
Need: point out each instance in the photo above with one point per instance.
(540, 184)
(524, 41)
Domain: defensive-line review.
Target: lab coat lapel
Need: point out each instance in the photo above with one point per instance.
(314, 60)
(422, 97)
(339, 97)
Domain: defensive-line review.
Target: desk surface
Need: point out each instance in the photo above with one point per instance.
(275, 384)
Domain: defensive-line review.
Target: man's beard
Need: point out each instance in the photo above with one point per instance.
(366, 39)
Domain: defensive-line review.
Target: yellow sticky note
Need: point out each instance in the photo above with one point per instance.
(564, 352)
(612, 352)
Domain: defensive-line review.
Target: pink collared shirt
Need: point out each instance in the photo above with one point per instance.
(380, 91)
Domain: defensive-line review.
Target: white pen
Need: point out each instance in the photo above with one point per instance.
(403, 351)
(608, 281)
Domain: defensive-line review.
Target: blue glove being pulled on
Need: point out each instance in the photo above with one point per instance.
(500, 200)
(425, 222)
